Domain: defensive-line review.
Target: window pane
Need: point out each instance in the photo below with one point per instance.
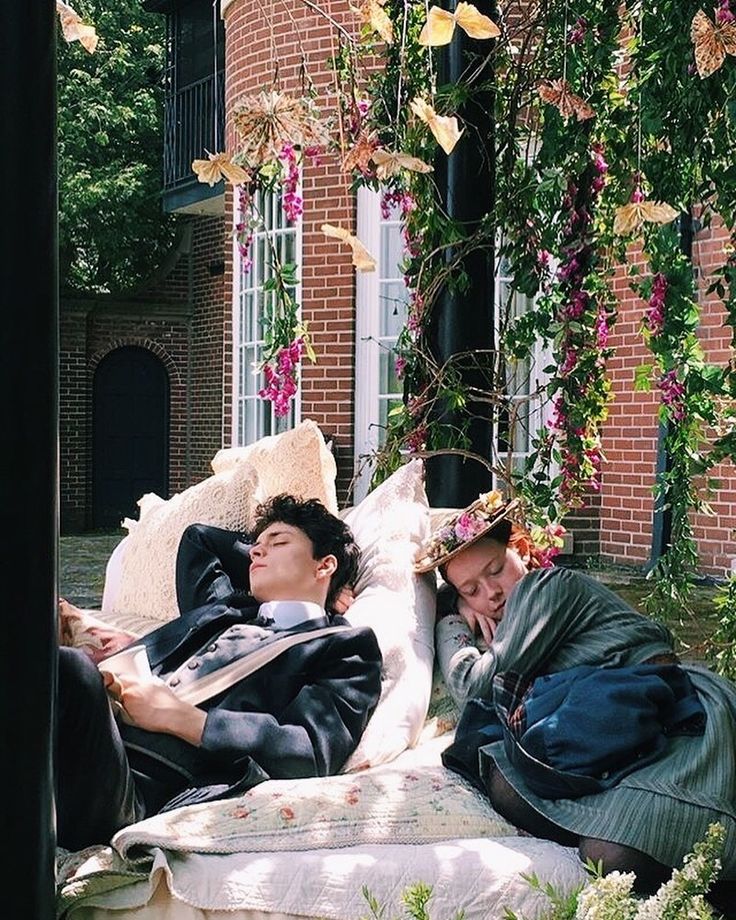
(255, 415)
(393, 308)
(388, 381)
(385, 406)
(391, 251)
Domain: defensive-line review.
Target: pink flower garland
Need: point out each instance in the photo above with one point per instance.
(584, 324)
(281, 380)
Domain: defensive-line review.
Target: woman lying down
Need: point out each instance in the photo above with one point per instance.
(578, 720)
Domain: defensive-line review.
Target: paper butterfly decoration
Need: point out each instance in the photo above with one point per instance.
(630, 217)
(374, 15)
(219, 166)
(712, 43)
(388, 163)
(443, 127)
(362, 259)
(73, 29)
(440, 25)
(267, 121)
(559, 94)
(360, 154)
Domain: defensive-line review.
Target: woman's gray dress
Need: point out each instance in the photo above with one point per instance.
(557, 619)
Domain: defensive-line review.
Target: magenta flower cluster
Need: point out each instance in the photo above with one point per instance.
(291, 201)
(281, 379)
(654, 316)
(584, 324)
(577, 33)
(673, 395)
(723, 12)
(416, 440)
(244, 228)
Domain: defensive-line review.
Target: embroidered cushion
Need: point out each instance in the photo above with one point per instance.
(394, 804)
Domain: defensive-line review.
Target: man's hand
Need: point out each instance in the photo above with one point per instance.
(150, 704)
(344, 600)
(477, 622)
(80, 629)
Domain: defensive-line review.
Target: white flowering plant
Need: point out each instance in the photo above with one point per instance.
(605, 897)
(611, 897)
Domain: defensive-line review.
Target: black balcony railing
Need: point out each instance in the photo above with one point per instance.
(194, 123)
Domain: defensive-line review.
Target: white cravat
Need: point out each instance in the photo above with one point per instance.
(287, 614)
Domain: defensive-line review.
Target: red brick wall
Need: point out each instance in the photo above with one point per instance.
(630, 434)
(211, 311)
(328, 278)
(178, 318)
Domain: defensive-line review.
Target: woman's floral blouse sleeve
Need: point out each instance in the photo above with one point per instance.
(466, 670)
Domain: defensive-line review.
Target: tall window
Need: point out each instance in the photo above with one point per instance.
(381, 304)
(523, 414)
(381, 299)
(276, 236)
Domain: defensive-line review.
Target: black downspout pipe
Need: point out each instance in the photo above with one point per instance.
(29, 481)
(661, 515)
(463, 321)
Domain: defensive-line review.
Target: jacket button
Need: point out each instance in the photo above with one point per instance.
(174, 682)
(194, 663)
(212, 648)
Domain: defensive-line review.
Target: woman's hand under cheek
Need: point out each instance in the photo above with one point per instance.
(484, 625)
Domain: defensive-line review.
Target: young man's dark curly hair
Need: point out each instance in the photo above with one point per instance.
(328, 534)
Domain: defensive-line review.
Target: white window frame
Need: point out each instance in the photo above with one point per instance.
(277, 424)
(539, 357)
(367, 364)
(368, 341)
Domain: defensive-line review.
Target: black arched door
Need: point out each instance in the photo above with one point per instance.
(130, 433)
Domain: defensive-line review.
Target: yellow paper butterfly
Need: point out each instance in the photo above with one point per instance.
(712, 43)
(630, 217)
(73, 29)
(374, 15)
(362, 259)
(559, 94)
(388, 163)
(440, 25)
(217, 167)
(443, 127)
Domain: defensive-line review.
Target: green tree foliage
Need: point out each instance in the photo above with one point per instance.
(112, 231)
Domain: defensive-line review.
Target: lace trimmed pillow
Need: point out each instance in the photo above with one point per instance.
(140, 588)
(146, 582)
(296, 461)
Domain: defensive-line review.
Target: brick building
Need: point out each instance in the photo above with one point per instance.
(200, 318)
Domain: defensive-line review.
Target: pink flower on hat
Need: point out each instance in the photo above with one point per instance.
(468, 526)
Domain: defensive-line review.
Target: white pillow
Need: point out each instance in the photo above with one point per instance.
(147, 568)
(389, 525)
(297, 462)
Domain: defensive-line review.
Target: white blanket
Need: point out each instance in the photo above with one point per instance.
(307, 848)
(481, 877)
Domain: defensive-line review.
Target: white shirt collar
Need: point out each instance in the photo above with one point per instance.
(287, 614)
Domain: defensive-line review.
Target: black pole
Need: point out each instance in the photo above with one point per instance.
(463, 321)
(662, 513)
(28, 494)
